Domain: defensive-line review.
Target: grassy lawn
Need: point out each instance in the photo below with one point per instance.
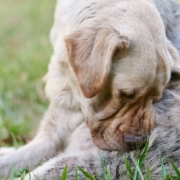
(24, 55)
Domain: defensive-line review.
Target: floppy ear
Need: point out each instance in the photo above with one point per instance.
(175, 65)
(90, 51)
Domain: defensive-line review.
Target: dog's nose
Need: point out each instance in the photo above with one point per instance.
(135, 142)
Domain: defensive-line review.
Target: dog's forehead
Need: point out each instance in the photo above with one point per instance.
(135, 65)
(139, 71)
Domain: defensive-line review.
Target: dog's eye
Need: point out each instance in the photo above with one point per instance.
(126, 94)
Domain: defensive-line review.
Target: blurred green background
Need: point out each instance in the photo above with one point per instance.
(25, 51)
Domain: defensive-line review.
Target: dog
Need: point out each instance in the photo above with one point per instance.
(164, 142)
(111, 64)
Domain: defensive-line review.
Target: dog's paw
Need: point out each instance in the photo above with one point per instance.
(6, 150)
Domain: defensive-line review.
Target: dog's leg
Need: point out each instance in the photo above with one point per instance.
(54, 167)
(81, 152)
(53, 133)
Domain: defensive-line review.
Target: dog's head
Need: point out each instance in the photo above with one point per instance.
(122, 68)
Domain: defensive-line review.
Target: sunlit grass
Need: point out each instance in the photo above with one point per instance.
(24, 55)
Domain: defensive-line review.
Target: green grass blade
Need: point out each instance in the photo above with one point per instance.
(86, 174)
(171, 177)
(135, 174)
(20, 172)
(64, 173)
(12, 172)
(23, 176)
(103, 166)
(77, 178)
(108, 174)
(148, 175)
(144, 153)
(175, 169)
(15, 143)
(163, 171)
(128, 168)
(137, 169)
(36, 177)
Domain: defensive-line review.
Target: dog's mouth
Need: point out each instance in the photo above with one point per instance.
(124, 132)
(102, 144)
(126, 142)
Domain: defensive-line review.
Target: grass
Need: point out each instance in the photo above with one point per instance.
(25, 52)
(133, 171)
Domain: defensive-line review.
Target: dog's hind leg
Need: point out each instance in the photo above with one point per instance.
(54, 131)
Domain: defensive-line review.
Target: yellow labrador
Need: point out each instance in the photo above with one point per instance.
(111, 63)
(119, 65)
